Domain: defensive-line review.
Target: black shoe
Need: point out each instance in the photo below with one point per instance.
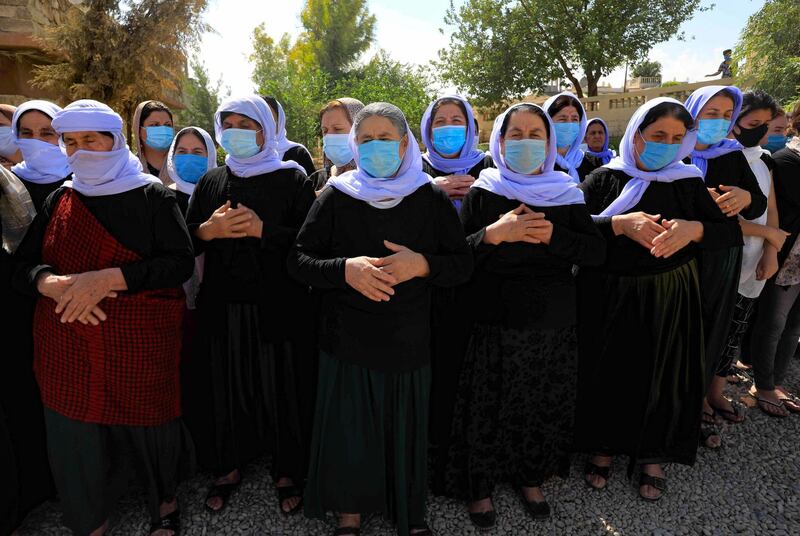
(483, 520)
(537, 510)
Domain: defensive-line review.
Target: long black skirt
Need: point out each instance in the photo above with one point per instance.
(245, 396)
(641, 365)
(719, 287)
(370, 441)
(513, 420)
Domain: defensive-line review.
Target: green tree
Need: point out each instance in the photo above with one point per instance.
(385, 80)
(201, 98)
(646, 69)
(336, 33)
(299, 86)
(768, 51)
(502, 49)
(121, 53)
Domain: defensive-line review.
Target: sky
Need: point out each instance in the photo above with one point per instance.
(409, 31)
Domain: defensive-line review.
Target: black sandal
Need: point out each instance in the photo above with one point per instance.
(223, 491)
(347, 531)
(592, 469)
(290, 492)
(538, 510)
(657, 482)
(168, 522)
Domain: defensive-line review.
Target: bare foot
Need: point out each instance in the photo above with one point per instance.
(481, 506)
(649, 492)
(350, 521)
(291, 503)
(790, 401)
(597, 481)
(215, 503)
(533, 494)
(101, 530)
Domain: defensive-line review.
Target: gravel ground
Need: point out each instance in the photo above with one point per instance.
(750, 487)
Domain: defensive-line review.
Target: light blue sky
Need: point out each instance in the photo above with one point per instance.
(408, 30)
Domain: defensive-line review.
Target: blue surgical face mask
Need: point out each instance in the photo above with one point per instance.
(159, 138)
(658, 155)
(380, 158)
(449, 139)
(337, 148)
(775, 142)
(566, 133)
(525, 156)
(240, 142)
(8, 145)
(711, 131)
(190, 167)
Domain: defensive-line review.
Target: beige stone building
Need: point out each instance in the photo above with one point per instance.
(615, 109)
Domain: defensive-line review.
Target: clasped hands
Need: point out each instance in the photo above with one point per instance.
(376, 277)
(662, 237)
(77, 295)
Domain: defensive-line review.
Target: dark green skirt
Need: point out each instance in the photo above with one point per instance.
(369, 444)
(641, 365)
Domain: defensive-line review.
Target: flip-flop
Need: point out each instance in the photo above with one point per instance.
(760, 401)
(795, 402)
(735, 416)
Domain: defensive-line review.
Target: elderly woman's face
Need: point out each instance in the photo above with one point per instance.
(35, 125)
(87, 141)
(380, 128)
(335, 121)
(243, 122)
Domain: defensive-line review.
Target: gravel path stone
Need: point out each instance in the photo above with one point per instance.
(750, 487)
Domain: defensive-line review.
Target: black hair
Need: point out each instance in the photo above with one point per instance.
(562, 102)
(530, 108)
(441, 102)
(272, 102)
(477, 125)
(758, 100)
(224, 115)
(727, 51)
(667, 109)
(194, 132)
(153, 106)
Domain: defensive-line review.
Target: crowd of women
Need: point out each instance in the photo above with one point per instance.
(395, 321)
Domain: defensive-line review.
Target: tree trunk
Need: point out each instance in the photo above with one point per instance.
(591, 84)
(576, 84)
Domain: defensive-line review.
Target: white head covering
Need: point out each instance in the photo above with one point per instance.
(383, 192)
(284, 143)
(626, 162)
(182, 185)
(265, 161)
(574, 156)
(42, 162)
(97, 173)
(548, 188)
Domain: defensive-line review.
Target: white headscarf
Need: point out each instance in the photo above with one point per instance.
(182, 185)
(626, 161)
(284, 143)
(42, 162)
(97, 173)
(265, 161)
(572, 160)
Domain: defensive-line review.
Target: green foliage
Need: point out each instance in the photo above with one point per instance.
(384, 80)
(300, 87)
(670, 83)
(768, 51)
(646, 69)
(201, 99)
(503, 49)
(121, 52)
(336, 33)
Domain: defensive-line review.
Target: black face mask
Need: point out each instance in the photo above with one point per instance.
(749, 137)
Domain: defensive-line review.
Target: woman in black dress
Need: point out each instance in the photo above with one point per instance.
(258, 349)
(376, 242)
(516, 393)
(642, 367)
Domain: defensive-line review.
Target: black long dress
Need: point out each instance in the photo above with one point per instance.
(516, 394)
(252, 384)
(369, 448)
(640, 328)
(720, 269)
(451, 325)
